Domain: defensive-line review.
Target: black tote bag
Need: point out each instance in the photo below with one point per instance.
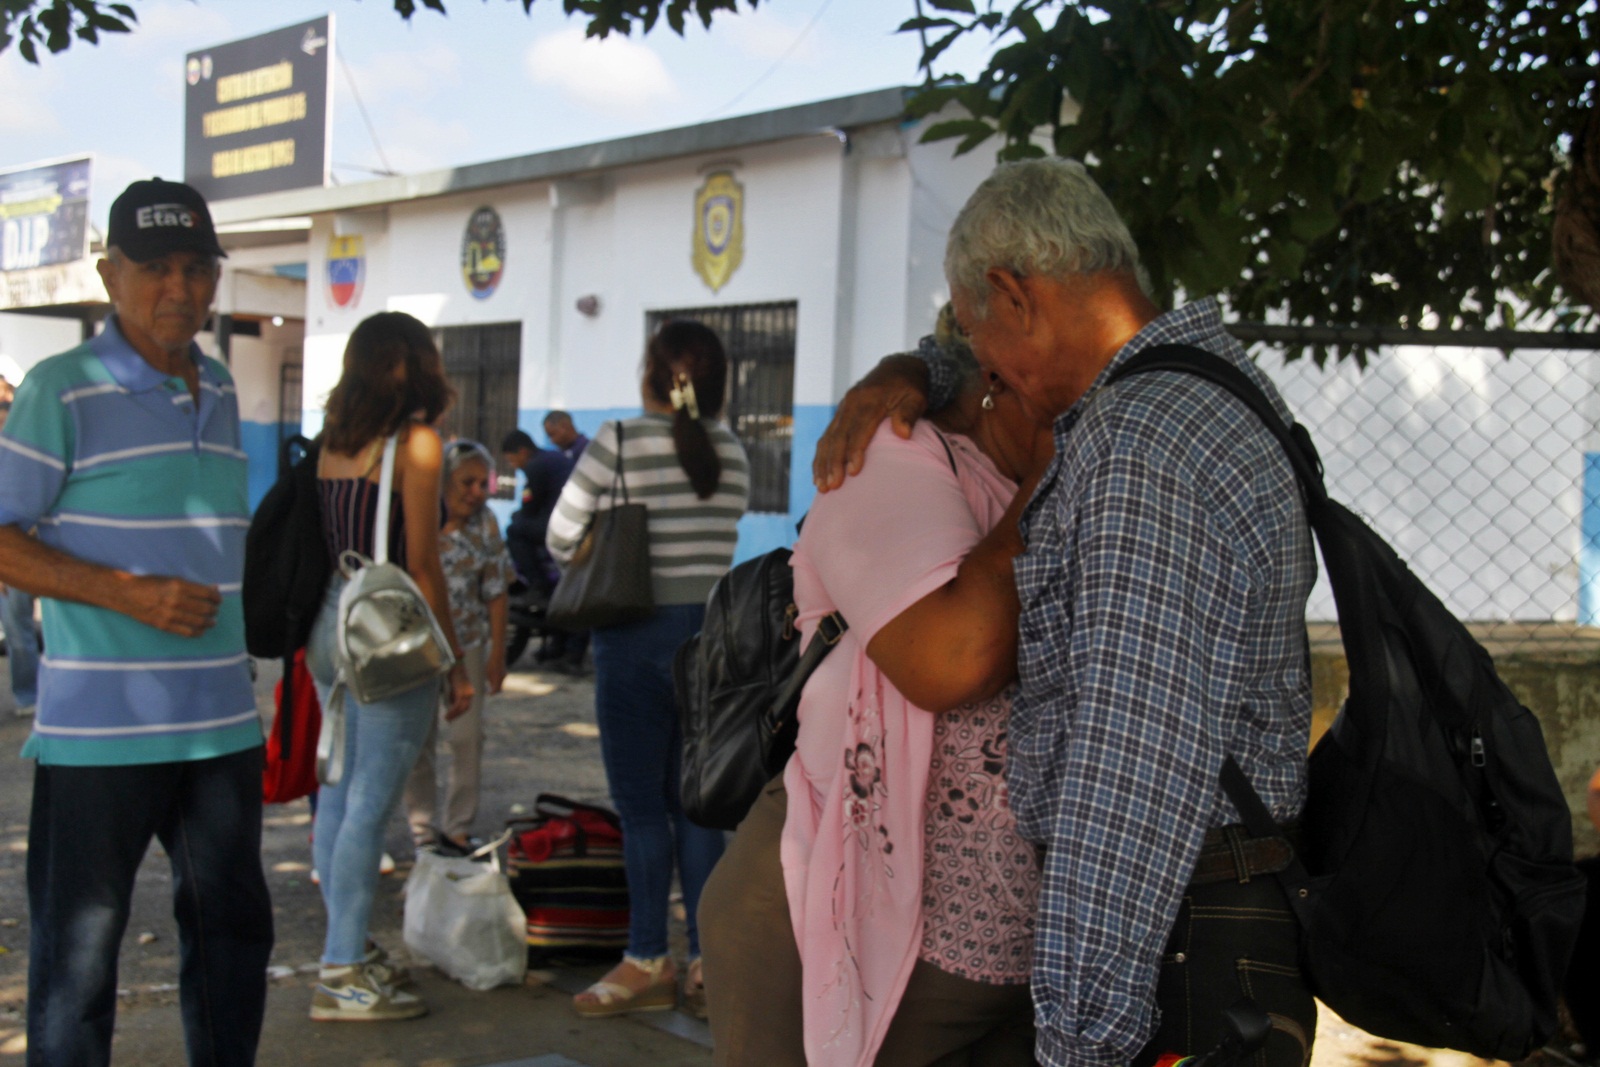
(608, 581)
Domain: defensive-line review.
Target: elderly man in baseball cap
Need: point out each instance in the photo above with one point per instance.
(124, 452)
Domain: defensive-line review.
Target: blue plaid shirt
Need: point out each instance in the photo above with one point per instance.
(1163, 627)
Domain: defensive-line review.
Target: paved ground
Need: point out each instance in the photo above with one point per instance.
(541, 737)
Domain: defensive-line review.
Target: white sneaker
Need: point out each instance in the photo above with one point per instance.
(354, 994)
(26, 712)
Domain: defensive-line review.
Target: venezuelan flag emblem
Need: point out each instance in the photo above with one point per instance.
(347, 269)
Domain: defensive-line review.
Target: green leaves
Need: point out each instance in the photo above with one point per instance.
(1369, 162)
(619, 16)
(54, 24)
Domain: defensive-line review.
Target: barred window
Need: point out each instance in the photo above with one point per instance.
(483, 364)
(291, 374)
(759, 340)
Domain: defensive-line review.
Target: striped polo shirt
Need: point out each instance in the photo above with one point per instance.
(116, 464)
(691, 540)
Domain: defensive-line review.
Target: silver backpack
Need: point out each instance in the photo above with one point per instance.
(387, 640)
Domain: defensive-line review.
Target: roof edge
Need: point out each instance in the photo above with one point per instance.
(881, 105)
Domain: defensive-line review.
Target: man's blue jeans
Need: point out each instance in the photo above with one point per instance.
(381, 744)
(641, 746)
(22, 645)
(88, 832)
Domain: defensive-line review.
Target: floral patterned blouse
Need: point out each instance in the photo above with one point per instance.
(477, 569)
(980, 879)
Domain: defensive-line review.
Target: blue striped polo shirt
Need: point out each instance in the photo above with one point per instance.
(115, 463)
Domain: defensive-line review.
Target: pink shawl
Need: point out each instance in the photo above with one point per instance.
(853, 839)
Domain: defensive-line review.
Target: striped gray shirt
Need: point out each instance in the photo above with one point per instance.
(691, 540)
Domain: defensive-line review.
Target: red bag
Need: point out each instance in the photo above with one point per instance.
(565, 866)
(290, 771)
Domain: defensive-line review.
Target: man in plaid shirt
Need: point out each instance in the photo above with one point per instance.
(1161, 569)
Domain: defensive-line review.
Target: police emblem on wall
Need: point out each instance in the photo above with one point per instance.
(347, 270)
(718, 229)
(483, 252)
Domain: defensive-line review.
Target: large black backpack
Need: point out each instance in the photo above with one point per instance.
(1437, 899)
(286, 566)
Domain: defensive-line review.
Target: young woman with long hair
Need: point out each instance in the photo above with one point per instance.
(393, 385)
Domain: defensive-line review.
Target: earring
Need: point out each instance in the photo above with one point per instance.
(988, 399)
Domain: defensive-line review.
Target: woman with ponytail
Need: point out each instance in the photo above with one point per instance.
(689, 470)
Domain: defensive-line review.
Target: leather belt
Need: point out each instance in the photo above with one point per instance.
(1230, 854)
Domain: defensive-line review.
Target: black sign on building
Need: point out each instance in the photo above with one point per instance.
(257, 111)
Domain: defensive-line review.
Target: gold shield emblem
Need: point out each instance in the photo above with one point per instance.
(718, 229)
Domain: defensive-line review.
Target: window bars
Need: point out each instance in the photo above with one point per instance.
(760, 342)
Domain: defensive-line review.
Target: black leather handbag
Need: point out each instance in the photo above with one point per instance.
(608, 581)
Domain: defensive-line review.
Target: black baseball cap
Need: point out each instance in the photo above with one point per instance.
(152, 218)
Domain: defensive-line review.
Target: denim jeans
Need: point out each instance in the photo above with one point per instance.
(1232, 940)
(381, 743)
(22, 645)
(642, 748)
(88, 831)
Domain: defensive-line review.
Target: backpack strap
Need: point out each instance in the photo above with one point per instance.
(951, 456)
(380, 550)
(330, 738)
(1302, 456)
(830, 629)
(1187, 359)
(1253, 812)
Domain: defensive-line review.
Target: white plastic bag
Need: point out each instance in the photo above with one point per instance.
(461, 917)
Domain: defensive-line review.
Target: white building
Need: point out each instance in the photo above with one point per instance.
(812, 238)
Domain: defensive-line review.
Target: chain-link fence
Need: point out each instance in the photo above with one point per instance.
(1472, 462)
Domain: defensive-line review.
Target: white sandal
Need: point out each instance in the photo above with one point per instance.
(607, 997)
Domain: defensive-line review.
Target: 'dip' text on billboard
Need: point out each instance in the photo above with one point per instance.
(256, 112)
(44, 214)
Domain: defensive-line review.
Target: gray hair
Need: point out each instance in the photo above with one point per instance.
(462, 451)
(1036, 217)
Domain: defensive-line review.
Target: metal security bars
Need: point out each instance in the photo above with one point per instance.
(483, 364)
(759, 340)
(290, 377)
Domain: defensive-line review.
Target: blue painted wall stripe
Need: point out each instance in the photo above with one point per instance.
(260, 443)
(1589, 550)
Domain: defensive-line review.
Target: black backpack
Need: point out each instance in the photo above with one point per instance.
(738, 684)
(286, 566)
(1437, 898)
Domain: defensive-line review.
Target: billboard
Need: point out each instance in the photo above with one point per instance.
(44, 214)
(257, 112)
